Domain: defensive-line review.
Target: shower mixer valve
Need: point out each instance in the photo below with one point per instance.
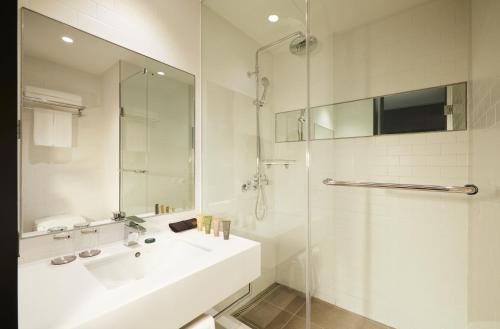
(254, 183)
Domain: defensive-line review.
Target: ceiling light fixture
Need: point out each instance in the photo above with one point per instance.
(161, 73)
(273, 18)
(67, 39)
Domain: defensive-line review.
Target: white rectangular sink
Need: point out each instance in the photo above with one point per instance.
(174, 279)
(167, 257)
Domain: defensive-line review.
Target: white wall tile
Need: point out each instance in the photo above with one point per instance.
(426, 149)
(484, 224)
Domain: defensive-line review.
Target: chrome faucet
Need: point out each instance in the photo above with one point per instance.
(255, 182)
(131, 232)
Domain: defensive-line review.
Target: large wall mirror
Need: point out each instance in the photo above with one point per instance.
(102, 129)
(433, 109)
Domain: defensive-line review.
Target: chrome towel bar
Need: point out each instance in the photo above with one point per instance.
(469, 189)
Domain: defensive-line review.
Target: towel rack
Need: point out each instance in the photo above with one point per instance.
(55, 105)
(468, 189)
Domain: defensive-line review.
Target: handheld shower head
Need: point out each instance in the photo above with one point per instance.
(265, 83)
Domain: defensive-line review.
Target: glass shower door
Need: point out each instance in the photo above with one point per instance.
(384, 258)
(250, 74)
(157, 147)
(170, 165)
(134, 143)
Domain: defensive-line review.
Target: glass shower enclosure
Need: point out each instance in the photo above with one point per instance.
(156, 106)
(359, 228)
(248, 178)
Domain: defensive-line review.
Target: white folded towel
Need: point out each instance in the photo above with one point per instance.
(52, 128)
(201, 322)
(43, 127)
(67, 220)
(63, 129)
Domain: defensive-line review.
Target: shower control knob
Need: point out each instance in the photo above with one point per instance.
(246, 187)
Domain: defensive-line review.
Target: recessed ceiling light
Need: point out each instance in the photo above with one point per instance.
(273, 18)
(67, 39)
(161, 73)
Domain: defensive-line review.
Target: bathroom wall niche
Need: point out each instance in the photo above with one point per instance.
(102, 129)
(433, 109)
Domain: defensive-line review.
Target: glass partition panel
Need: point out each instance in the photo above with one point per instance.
(252, 67)
(170, 169)
(396, 258)
(157, 122)
(134, 142)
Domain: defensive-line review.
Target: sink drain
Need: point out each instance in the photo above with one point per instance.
(137, 254)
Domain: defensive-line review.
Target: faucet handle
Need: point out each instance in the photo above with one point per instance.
(137, 227)
(118, 215)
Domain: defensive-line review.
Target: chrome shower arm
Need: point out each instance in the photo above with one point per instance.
(272, 45)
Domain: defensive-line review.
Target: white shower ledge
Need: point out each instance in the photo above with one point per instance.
(71, 296)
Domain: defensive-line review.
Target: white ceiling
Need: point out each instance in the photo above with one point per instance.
(90, 54)
(327, 16)
(42, 39)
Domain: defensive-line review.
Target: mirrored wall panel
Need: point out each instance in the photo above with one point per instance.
(291, 126)
(433, 109)
(352, 119)
(102, 129)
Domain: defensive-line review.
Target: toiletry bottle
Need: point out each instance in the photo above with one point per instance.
(199, 222)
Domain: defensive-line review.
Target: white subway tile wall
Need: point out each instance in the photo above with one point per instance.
(484, 216)
(418, 48)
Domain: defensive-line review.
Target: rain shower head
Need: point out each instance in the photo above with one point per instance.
(298, 45)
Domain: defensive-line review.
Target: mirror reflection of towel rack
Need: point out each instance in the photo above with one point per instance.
(28, 103)
(136, 171)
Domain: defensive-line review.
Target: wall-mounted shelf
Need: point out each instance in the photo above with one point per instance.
(278, 162)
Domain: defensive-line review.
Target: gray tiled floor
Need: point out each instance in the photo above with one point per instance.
(284, 308)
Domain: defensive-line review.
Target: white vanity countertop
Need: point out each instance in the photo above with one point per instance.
(69, 296)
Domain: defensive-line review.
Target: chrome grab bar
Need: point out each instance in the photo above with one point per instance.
(136, 171)
(469, 189)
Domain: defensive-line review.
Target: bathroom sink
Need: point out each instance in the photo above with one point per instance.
(166, 257)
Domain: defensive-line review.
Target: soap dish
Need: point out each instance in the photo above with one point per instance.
(89, 253)
(63, 260)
